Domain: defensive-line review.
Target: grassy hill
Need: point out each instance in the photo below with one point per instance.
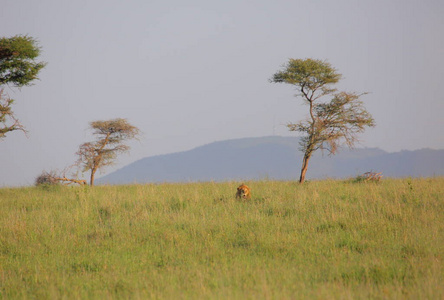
(323, 240)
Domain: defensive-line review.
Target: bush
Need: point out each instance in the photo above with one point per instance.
(46, 178)
(369, 177)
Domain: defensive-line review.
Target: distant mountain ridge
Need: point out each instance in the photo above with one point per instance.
(273, 157)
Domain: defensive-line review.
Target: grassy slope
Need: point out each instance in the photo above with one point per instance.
(326, 239)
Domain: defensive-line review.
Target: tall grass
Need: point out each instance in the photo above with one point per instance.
(321, 240)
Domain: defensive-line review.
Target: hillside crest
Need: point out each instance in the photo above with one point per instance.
(273, 157)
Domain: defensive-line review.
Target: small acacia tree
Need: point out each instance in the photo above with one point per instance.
(111, 138)
(18, 67)
(329, 123)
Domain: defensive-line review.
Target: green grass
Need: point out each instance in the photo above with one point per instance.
(321, 240)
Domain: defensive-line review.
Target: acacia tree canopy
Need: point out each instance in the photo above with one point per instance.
(111, 138)
(312, 77)
(338, 121)
(330, 123)
(18, 67)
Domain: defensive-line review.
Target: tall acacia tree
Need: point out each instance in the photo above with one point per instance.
(111, 138)
(331, 123)
(18, 67)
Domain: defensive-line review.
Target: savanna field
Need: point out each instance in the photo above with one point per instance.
(330, 239)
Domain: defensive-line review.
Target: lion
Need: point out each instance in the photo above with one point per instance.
(243, 192)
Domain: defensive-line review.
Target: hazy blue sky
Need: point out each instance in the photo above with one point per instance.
(188, 73)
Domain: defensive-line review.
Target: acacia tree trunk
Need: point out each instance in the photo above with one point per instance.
(98, 158)
(91, 181)
(310, 146)
(304, 167)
